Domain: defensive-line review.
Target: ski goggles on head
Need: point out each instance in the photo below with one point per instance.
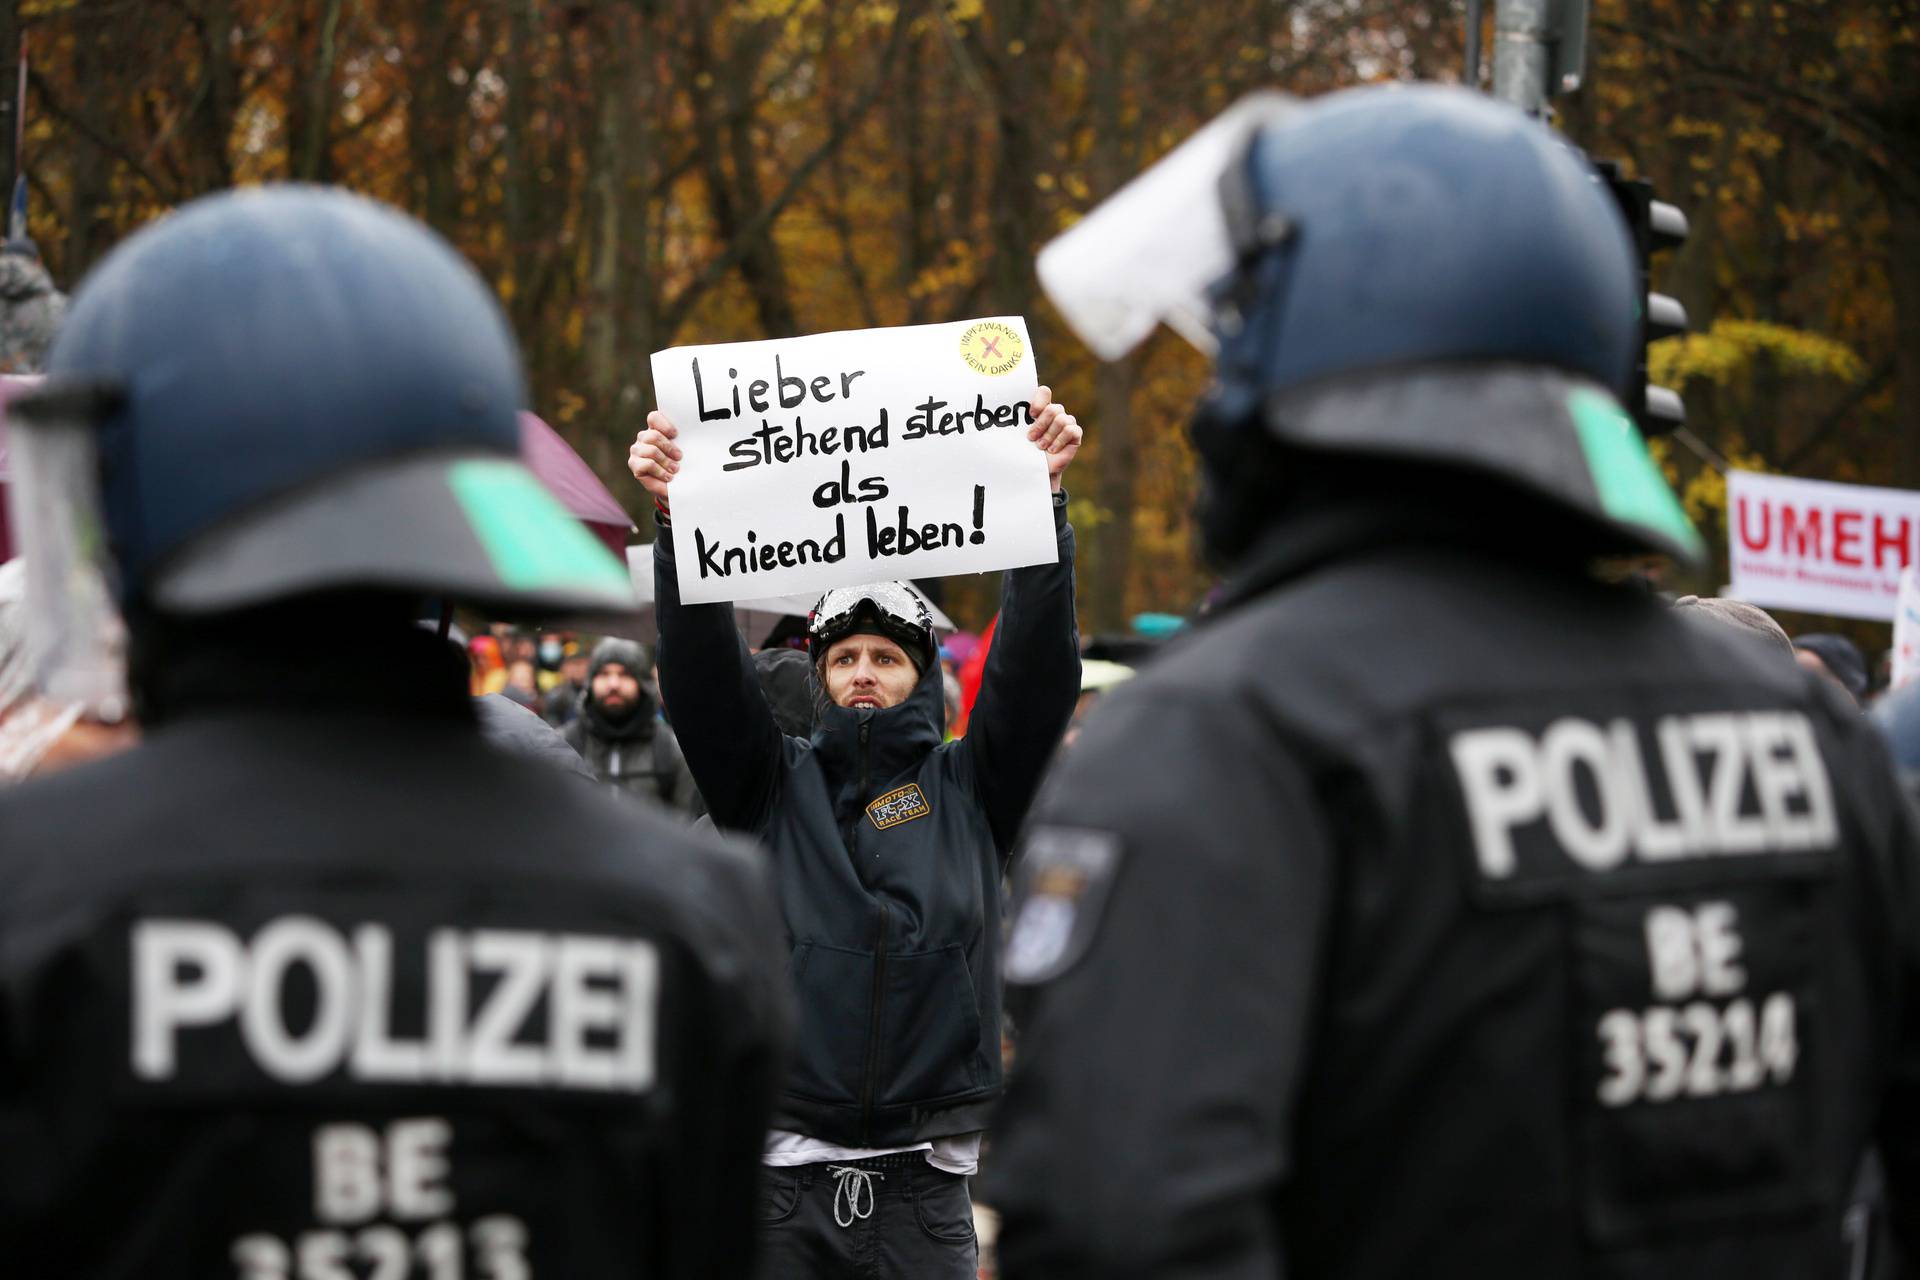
(890, 601)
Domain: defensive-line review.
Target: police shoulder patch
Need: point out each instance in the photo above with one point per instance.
(902, 804)
(1068, 872)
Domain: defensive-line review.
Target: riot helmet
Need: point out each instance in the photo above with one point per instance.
(1404, 273)
(294, 390)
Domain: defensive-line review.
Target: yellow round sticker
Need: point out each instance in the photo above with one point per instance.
(991, 347)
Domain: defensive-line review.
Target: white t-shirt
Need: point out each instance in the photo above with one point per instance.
(958, 1154)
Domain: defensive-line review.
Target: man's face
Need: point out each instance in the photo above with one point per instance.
(869, 671)
(615, 688)
(574, 668)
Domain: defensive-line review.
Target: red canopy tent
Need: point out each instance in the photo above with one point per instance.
(571, 480)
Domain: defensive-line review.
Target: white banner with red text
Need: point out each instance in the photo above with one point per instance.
(1819, 546)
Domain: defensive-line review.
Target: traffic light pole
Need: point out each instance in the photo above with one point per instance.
(1539, 51)
(1522, 53)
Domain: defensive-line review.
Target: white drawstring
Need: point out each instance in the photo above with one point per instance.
(848, 1183)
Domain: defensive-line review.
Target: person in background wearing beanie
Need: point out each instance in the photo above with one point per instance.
(620, 734)
(313, 982)
(1478, 916)
(887, 847)
(1837, 658)
(562, 701)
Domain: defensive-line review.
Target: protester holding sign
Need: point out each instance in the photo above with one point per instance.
(887, 847)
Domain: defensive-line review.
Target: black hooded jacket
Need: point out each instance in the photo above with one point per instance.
(887, 847)
(636, 753)
(314, 975)
(1476, 918)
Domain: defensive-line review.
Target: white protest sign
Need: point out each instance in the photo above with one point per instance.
(842, 458)
(1819, 546)
(1906, 630)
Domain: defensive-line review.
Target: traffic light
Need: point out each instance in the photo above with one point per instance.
(1655, 225)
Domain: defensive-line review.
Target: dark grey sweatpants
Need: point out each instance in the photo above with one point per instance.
(886, 1218)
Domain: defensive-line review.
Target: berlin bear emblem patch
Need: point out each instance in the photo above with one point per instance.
(902, 804)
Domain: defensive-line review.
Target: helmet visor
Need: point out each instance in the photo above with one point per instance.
(1150, 252)
(71, 645)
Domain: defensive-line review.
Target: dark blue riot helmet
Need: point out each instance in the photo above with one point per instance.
(1415, 274)
(295, 390)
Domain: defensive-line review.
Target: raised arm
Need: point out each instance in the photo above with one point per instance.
(1032, 677)
(720, 715)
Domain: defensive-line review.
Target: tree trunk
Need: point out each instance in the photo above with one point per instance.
(1110, 164)
(311, 161)
(433, 117)
(10, 159)
(90, 231)
(211, 167)
(1903, 273)
(602, 330)
(1013, 54)
(520, 183)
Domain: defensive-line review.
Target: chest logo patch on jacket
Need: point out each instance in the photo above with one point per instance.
(902, 804)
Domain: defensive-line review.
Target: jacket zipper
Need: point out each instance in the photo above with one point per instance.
(879, 956)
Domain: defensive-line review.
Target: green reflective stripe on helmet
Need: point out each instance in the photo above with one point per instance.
(533, 542)
(1632, 490)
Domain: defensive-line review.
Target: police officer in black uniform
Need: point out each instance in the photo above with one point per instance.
(1479, 918)
(313, 983)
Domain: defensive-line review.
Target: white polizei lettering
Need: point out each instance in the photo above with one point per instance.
(1482, 757)
(1822, 828)
(578, 1007)
(1598, 846)
(199, 978)
(1775, 780)
(376, 1055)
(1739, 783)
(447, 1003)
(524, 962)
(298, 1058)
(417, 1167)
(346, 1173)
(323, 1255)
(1723, 735)
(165, 999)
(1695, 951)
(1718, 940)
(1671, 956)
(640, 990)
(1683, 782)
(1653, 839)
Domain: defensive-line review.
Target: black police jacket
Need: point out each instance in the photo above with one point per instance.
(315, 983)
(887, 847)
(1475, 919)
